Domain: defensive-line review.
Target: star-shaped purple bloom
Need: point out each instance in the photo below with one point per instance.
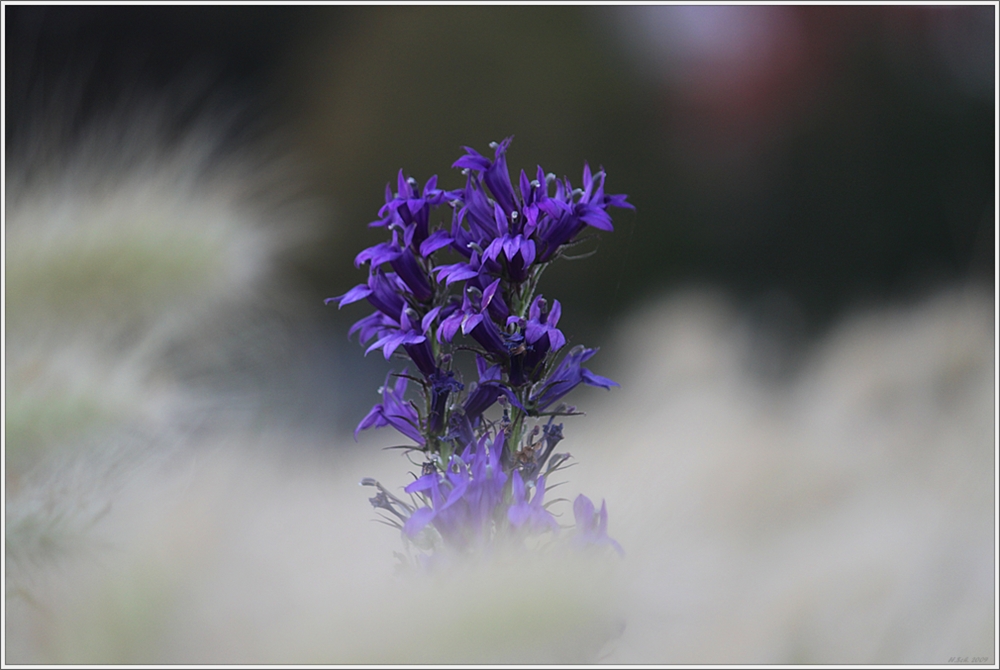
(541, 335)
(474, 319)
(409, 210)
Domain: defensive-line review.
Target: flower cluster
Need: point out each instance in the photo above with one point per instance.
(477, 278)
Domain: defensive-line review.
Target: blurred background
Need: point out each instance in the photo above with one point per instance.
(186, 184)
(806, 159)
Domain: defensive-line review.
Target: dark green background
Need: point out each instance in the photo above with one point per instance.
(875, 181)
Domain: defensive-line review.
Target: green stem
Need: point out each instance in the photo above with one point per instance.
(517, 418)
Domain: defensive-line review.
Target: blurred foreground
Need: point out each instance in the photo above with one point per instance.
(843, 514)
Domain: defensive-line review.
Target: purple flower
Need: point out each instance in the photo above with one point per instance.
(478, 213)
(437, 240)
(496, 305)
(390, 331)
(485, 492)
(460, 430)
(536, 518)
(409, 210)
(403, 261)
(384, 291)
(408, 267)
(494, 173)
(463, 501)
(514, 343)
(421, 353)
(541, 325)
(571, 210)
(474, 319)
(450, 274)
(442, 384)
(591, 527)
(538, 224)
(393, 334)
(445, 493)
(394, 411)
(541, 334)
(567, 376)
(518, 250)
(488, 390)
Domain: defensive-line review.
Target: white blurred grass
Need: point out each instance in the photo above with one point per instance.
(243, 558)
(846, 517)
(120, 252)
(843, 516)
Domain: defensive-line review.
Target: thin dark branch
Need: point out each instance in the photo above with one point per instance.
(388, 522)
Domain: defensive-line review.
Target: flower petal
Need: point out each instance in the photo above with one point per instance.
(418, 521)
(436, 240)
(597, 380)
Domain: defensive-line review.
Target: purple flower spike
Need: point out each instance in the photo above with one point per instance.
(591, 528)
(505, 233)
